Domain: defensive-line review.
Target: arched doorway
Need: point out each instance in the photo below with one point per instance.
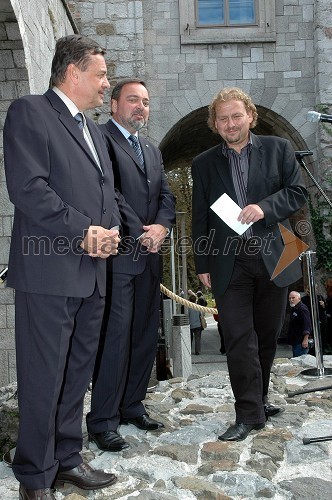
(191, 136)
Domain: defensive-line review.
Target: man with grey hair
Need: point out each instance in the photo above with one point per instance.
(300, 326)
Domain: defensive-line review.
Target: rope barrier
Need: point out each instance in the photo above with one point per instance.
(187, 303)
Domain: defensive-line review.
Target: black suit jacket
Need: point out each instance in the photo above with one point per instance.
(275, 184)
(58, 192)
(148, 198)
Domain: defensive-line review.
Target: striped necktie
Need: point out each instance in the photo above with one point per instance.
(137, 148)
(81, 123)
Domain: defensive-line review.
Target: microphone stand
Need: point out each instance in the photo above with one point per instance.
(320, 371)
(299, 156)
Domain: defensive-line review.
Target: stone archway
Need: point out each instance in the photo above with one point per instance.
(191, 135)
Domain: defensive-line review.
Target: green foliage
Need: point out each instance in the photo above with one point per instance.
(180, 182)
(323, 245)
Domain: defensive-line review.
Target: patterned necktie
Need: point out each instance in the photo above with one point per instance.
(88, 139)
(137, 148)
(79, 119)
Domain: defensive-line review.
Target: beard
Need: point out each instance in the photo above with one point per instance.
(233, 138)
(137, 124)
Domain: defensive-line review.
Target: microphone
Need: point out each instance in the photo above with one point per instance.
(313, 116)
(301, 154)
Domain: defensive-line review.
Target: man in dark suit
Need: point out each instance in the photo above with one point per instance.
(63, 192)
(130, 327)
(261, 175)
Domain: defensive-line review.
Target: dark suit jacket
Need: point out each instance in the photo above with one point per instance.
(148, 197)
(299, 324)
(58, 192)
(275, 184)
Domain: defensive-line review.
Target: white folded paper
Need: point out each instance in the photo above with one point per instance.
(229, 211)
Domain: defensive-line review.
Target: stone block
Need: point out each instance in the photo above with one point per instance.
(3, 316)
(6, 59)
(13, 31)
(230, 68)
(7, 339)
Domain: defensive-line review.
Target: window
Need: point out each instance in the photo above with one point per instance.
(226, 12)
(225, 21)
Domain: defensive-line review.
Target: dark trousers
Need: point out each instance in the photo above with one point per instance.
(253, 311)
(196, 336)
(127, 350)
(56, 344)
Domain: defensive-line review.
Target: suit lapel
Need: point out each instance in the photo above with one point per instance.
(255, 166)
(223, 170)
(70, 123)
(124, 144)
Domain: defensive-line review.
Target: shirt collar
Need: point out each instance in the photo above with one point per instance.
(123, 130)
(227, 150)
(73, 109)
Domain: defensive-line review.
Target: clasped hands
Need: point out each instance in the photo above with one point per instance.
(153, 237)
(101, 242)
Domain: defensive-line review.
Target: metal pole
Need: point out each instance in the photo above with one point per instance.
(320, 371)
(183, 254)
(173, 270)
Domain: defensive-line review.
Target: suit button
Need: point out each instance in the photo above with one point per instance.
(148, 181)
(104, 210)
(102, 182)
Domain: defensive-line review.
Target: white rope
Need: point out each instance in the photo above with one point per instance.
(186, 302)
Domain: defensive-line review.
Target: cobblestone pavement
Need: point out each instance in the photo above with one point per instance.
(185, 460)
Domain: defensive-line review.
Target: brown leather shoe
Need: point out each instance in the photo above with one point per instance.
(44, 494)
(85, 477)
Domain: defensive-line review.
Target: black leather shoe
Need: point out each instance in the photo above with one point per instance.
(109, 441)
(143, 422)
(238, 432)
(44, 494)
(85, 477)
(272, 410)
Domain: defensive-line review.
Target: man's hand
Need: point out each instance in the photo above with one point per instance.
(250, 213)
(305, 343)
(101, 242)
(153, 237)
(205, 279)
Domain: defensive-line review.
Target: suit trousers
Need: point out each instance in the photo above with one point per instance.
(56, 344)
(252, 314)
(127, 349)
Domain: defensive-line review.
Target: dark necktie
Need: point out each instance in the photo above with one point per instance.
(137, 148)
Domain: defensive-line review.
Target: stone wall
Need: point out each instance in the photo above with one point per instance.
(28, 31)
